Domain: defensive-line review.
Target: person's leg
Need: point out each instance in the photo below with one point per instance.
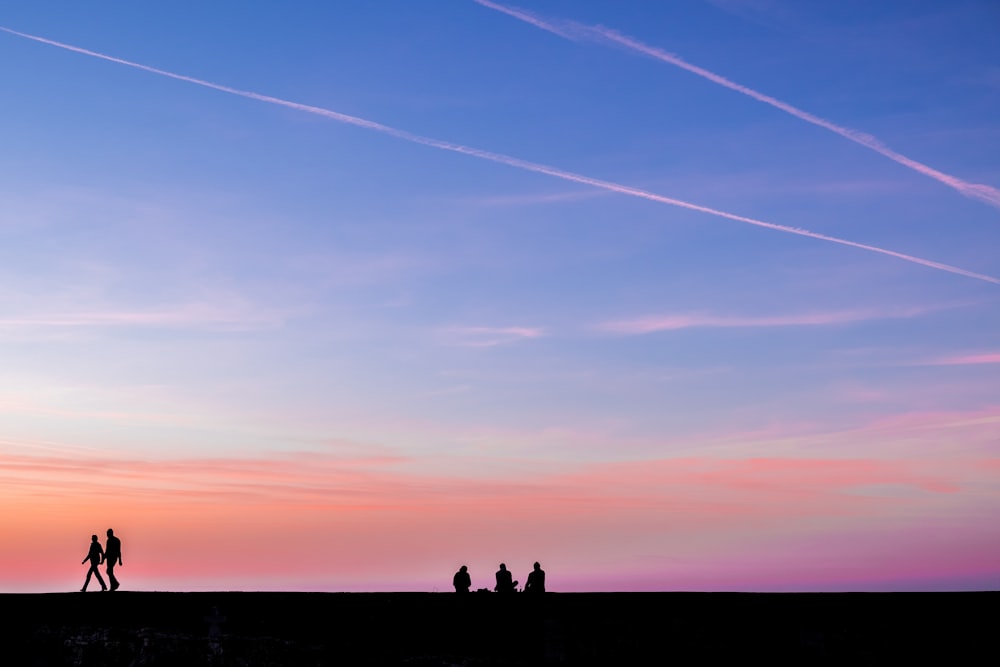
(111, 576)
(93, 571)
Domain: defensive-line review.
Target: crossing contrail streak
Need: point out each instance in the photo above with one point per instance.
(508, 160)
(575, 31)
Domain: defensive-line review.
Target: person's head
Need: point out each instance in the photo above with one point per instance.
(537, 566)
(503, 566)
(93, 538)
(463, 569)
(110, 532)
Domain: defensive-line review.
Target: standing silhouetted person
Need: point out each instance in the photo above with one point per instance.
(113, 556)
(505, 584)
(96, 557)
(462, 581)
(536, 580)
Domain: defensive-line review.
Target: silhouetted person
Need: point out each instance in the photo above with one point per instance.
(113, 556)
(505, 584)
(96, 557)
(462, 581)
(536, 580)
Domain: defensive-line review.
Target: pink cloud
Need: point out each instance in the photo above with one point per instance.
(967, 359)
(226, 316)
(906, 497)
(491, 336)
(368, 523)
(975, 425)
(651, 324)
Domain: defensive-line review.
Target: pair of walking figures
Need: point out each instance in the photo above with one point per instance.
(110, 555)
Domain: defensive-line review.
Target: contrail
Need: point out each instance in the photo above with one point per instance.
(576, 31)
(510, 161)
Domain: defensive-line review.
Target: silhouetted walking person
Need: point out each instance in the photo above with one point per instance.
(505, 584)
(96, 557)
(462, 581)
(536, 580)
(113, 556)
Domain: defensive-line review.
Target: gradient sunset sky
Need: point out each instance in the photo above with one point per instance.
(688, 295)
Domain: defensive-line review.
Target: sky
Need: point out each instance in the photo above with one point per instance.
(698, 295)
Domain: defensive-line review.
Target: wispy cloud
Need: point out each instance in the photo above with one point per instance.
(577, 31)
(773, 503)
(651, 324)
(533, 199)
(798, 458)
(491, 336)
(446, 391)
(184, 316)
(514, 162)
(965, 360)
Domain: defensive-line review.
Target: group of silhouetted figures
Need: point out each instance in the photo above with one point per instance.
(110, 555)
(505, 580)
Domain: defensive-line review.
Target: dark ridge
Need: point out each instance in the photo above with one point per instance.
(484, 629)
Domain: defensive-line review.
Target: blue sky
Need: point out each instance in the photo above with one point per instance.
(190, 275)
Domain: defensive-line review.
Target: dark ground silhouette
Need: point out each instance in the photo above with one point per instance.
(134, 628)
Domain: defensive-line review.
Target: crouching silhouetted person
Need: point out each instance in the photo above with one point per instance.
(95, 556)
(505, 583)
(536, 580)
(462, 581)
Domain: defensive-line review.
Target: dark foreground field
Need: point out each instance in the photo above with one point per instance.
(129, 628)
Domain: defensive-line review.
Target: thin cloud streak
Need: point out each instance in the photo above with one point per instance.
(966, 360)
(533, 199)
(493, 336)
(576, 31)
(297, 479)
(645, 325)
(193, 316)
(511, 161)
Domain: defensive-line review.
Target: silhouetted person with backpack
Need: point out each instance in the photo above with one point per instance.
(96, 557)
(505, 584)
(536, 580)
(462, 581)
(113, 556)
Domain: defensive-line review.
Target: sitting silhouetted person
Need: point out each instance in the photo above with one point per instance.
(536, 580)
(505, 583)
(95, 556)
(462, 581)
